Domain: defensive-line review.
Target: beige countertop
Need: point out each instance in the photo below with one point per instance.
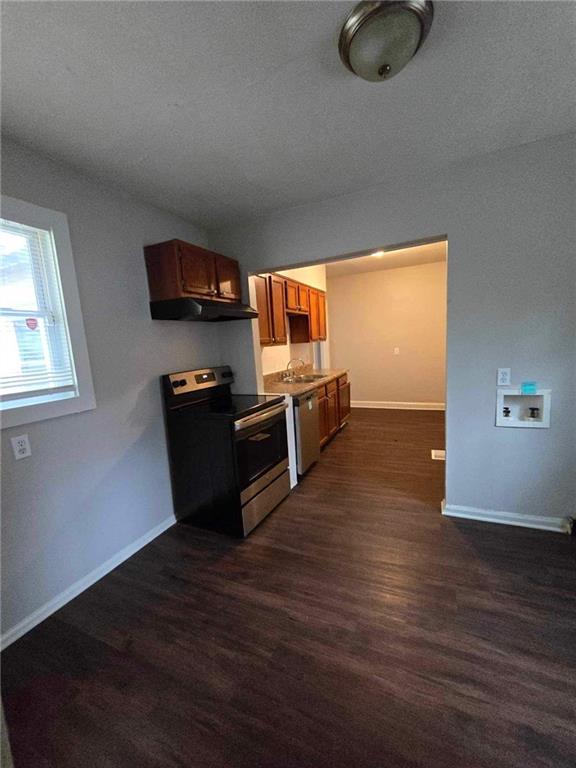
(282, 388)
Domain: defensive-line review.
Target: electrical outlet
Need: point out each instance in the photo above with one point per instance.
(396, 350)
(21, 447)
(503, 377)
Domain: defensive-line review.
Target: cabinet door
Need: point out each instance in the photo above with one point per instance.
(333, 415)
(314, 319)
(344, 402)
(323, 415)
(303, 298)
(322, 316)
(291, 296)
(198, 270)
(263, 307)
(278, 309)
(228, 276)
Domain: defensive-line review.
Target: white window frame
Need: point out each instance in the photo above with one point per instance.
(56, 222)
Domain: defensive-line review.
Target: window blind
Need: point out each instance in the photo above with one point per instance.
(36, 359)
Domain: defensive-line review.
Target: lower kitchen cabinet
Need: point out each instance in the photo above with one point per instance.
(333, 407)
(343, 400)
(323, 415)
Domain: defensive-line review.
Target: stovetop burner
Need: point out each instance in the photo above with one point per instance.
(241, 405)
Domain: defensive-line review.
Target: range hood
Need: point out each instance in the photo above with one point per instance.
(203, 310)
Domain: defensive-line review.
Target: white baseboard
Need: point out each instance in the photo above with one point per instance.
(540, 522)
(395, 405)
(82, 584)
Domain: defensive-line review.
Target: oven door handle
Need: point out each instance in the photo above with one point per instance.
(250, 421)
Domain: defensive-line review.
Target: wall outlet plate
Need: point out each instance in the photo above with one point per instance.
(21, 447)
(504, 377)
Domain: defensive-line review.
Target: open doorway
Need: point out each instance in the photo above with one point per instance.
(375, 321)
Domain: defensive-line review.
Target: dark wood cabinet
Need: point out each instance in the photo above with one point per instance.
(296, 297)
(177, 269)
(333, 408)
(298, 306)
(292, 304)
(303, 298)
(314, 315)
(198, 270)
(228, 278)
(271, 307)
(323, 416)
(261, 284)
(321, 316)
(278, 309)
(343, 399)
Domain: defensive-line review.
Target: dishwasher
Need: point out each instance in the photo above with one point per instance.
(307, 423)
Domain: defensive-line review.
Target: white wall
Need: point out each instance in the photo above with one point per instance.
(371, 314)
(98, 480)
(509, 217)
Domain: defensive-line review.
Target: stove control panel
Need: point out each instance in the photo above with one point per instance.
(191, 381)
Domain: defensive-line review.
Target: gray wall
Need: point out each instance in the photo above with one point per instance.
(98, 480)
(509, 217)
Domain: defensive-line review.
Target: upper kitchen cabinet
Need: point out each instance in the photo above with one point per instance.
(317, 315)
(321, 316)
(289, 302)
(314, 316)
(296, 297)
(198, 269)
(278, 307)
(271, 309)
(292, 303)
(228, 278)
(304, 298)
(261, 285)
(178, 270)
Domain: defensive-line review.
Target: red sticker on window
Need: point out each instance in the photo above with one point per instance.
(32, 323)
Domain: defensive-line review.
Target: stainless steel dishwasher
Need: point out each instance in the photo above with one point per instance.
(307, 423)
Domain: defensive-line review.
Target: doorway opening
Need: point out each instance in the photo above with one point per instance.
(379, 317)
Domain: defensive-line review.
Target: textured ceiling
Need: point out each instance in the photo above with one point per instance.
(222, 111)
(401, 257)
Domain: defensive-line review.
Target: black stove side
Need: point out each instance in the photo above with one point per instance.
(203, 468)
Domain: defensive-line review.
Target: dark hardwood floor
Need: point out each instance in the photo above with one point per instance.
(356, 628)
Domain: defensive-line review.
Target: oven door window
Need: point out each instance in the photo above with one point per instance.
(260, 448)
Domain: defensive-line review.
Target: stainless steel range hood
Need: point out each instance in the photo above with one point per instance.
(202, 310)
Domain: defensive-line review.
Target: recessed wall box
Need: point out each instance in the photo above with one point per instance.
(515, 409)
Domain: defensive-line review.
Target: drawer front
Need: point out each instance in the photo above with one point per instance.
(342, 380)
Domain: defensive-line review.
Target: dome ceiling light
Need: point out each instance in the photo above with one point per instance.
(378, 39)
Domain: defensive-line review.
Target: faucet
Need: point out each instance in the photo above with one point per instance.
(301, 364)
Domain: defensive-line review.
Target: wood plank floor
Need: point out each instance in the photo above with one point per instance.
(356, 628)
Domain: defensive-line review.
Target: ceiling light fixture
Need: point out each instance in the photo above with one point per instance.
(378, 254)
(378, 39)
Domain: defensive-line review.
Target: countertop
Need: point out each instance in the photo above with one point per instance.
(282, 388)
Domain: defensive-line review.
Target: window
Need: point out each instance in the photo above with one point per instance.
(44, 368)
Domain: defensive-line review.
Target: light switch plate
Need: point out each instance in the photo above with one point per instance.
(503, 377)
(396, 350)
(21, 447)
